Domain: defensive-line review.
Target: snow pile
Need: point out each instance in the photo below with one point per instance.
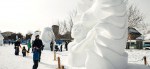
(47, 36)
(105, 24)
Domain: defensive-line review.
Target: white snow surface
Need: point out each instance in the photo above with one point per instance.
(9, 61)
(47, 37)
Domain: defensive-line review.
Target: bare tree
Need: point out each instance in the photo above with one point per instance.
(62, 27)
(66, 25)
(136, 20)
(135, 17)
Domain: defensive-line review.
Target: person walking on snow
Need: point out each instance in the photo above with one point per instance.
(37, 47)
(29, 46)
(17, 45)
(66, 45)
(24, 51)
(51, 45)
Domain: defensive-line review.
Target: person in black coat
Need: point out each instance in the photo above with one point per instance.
(51, 45)
(38, 44)
(17, 45)
(37, 47)
(66, 45)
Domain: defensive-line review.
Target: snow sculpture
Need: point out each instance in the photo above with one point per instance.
(83, 6)
(1, 39)
(78, 33)
(34, 34)
(106, 25)
(47, 36)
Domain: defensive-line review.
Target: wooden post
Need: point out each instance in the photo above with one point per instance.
(54, 55)
(62, 67)
(59, 64)
(145, 60)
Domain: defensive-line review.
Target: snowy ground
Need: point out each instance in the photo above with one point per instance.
(9, 61)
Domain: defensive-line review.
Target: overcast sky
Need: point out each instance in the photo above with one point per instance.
(31, 15)
(25, 15)
(143, 6)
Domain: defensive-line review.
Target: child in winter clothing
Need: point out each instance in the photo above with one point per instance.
(24, 51)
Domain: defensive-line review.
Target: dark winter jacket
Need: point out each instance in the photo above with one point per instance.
(24, 50)
(17, 43)
(37, 43)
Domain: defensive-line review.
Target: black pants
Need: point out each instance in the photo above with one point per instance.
(16, 50)
(51, 48)
(35, 66)
(24, 54)
(61, 48)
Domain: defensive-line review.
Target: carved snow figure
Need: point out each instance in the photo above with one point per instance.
(79, 32)
(106, 25)
(47, 36)
(34, 34)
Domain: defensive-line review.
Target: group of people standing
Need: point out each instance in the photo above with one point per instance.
(37, 47)
(57, 48)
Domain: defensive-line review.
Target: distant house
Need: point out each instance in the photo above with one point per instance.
(133, 39)
(133, 34)
(11, 36)
(55, 29)
(7, 35)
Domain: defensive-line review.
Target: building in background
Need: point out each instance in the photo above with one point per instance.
(133, 34)
(66, 36)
